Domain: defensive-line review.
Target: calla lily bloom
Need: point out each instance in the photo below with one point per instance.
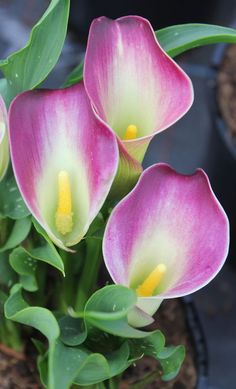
(169, 237)
(133, 84)
(64, 159)
(4, 149)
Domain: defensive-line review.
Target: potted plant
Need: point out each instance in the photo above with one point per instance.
(74, 195)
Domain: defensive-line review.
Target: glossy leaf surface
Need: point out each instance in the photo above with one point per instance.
(11, 203)
(42, 319)
(19, 232)
(180, 38)
(107, 310)
(28, 67)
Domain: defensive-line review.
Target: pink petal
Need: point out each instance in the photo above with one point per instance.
(57, 130)
(172, 219)
(131, 80)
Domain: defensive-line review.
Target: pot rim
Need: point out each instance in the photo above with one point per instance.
(198, 340)
(221, 125)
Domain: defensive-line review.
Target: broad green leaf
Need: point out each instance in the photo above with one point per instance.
(25, 266)
(19, 232)
(94, 371)
(75, 76)
(46, 253)
(171, 359)
(28, 67)
(11, 202)
(42, 319)
(107, 310)
(73, 364)
(73, 330)
(7, 275)
(150, 345)
(23, 260)
(180, 38)
(66, 363)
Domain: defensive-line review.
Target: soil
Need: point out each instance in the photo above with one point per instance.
(226, 89)
(170, 319)
(17, 372)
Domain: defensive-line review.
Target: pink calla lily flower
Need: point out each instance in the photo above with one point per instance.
(133, 84)
(64, 159)
(4, 148)
(169, 237)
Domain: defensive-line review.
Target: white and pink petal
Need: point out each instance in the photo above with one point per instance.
(132, 81)
(169, 219)
(53, 131)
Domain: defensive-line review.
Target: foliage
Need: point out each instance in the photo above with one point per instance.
(88, 338)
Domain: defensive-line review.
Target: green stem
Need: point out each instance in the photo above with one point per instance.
(41, 295)
(114, 382)
(89, 274)
(10, 335)
(66, 290)
(147, 379)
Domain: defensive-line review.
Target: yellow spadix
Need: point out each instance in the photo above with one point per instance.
(131, 132)
(149, 285)
(64, 214)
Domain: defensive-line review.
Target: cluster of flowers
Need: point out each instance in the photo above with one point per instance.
(71, 147)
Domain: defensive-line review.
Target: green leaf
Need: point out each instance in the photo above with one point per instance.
(72, 364)
(171, 359)
(42, 319)
(180, 38)
(150, 345)
(19, 232)
(28, 67)
(66, 363)
(24, 261)
(102, 367)
(7, 275)
(11, 203)
(73, 330)
(46, 253)
(75, 76)
(42, 365)
(25, 266)
(42, 360)
(107, 310)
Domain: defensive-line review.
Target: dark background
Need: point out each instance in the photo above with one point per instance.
(192, 142)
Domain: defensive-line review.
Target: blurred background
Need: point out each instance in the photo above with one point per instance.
(195, 141)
